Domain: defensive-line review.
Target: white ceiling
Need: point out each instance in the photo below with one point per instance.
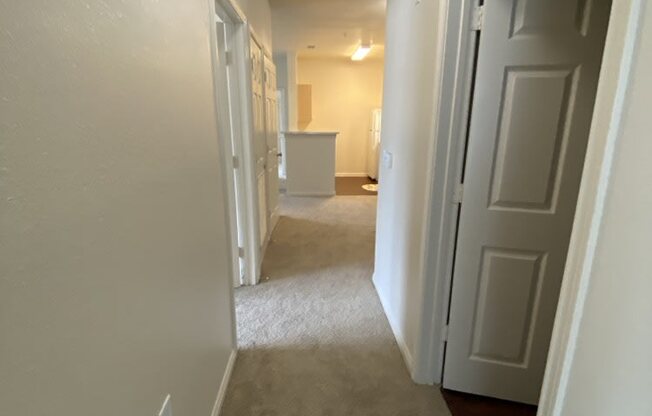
(335, 27)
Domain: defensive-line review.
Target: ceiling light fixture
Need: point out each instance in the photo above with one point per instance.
(361, 52)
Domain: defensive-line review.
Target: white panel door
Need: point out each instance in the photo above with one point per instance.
(373, 144)
(281, 99)
(537, 72)
(259, 145)
(271, 131)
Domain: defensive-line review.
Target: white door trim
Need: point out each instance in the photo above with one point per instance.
(242, 61)
(445, 172)
(237, 72)
(226, 136)
(212, 13)
(242, 111)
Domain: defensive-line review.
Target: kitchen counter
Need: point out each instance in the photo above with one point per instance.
(310, 162)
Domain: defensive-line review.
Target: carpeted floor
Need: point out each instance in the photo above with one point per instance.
(313, 338)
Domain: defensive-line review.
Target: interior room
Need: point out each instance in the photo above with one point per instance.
(325, 207)
(330, 63)
(345, 96)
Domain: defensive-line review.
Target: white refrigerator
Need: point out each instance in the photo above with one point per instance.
(373, 144)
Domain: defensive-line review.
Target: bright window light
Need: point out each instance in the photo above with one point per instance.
(361, 52)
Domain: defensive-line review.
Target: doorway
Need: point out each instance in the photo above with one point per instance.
(223, 32)
(535, 84)
(231, 38)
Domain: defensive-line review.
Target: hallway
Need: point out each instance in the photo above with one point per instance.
(313, 338)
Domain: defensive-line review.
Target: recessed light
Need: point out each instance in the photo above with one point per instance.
(361, 52)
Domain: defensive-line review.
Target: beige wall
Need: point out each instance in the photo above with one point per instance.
(343, 94)
(114, 270)
(259, 16)
(408, 133)
(286, 80)
(611, 368)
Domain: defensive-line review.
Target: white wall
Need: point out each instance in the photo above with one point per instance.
(408, 131)
(611, 372)
(286, 79)
(343, 95)
(259, 16)
(114, 275)
(281, 64)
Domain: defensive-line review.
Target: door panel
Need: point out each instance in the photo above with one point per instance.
(529, 140)
(259, 145)
(271, 124)
(535, 16)
(508, 291)
(257, 87)
(537, 71)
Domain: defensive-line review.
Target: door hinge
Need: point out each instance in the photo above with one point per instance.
(444, 333)
(458, 193)
(478, 18)
(236, 162)
(241, 252)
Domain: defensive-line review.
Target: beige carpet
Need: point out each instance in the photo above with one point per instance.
(313, 338)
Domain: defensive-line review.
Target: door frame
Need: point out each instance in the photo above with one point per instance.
(445, 173)
(457, 58)
(226, 121)
(242, 121)
(223, 156)
(237, 144)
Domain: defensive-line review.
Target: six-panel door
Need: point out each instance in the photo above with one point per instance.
(536, 80)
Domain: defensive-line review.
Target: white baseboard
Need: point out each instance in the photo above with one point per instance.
(221, 393)
(351, 175)
(398, 334)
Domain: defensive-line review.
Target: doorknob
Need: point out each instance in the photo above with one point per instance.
(279, 154)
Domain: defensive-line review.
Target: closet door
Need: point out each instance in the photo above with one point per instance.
(260, 148)
(271, 129)
(536, 78)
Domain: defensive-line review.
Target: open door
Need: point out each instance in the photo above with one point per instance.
(536, 78)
